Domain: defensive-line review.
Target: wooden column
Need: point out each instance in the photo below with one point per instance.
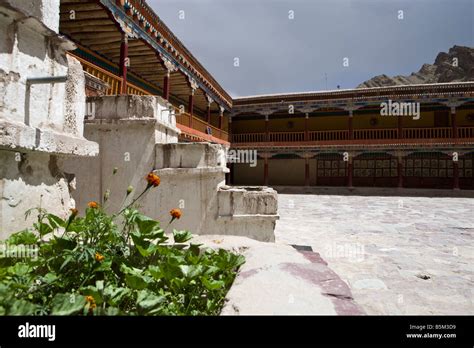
(350, 125)
(455, 175)
(454, 122)
(349, 171)
(191, 108)
(229, 130)
(221, 116)
(208, 113)
(400, 127)
(123, 63)
(267, 133)
(265, 171)
(306, 171)
(400, 171)
(166, 86)
(208, 110)
(306, 127)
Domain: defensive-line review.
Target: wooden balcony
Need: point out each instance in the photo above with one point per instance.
(360, 137)
(198, 130)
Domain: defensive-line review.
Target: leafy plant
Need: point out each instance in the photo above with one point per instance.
(92, 265)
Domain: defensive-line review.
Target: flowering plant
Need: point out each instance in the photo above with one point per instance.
(94, 265)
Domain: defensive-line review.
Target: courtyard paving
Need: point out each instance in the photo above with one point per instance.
(399, 255)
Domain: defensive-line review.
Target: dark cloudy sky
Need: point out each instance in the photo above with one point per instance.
(282, 55)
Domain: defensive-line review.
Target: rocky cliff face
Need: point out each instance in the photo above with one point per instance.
(444, 69)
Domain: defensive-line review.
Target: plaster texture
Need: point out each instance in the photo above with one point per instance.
(40, 124)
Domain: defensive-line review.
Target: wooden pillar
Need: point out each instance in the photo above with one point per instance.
(208, 110)
(221, 116)
(350, 125)
(229, 130)
(191, 108)
(400, 171)
(123, 63)
(454, 122)
(306, 127)
(265, 171)
(267, 133)
(208, 113)
(306, 171)
(349, 171)
(166, 86)
(455, 175)
(400, 127)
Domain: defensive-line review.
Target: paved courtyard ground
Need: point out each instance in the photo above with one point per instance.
(399, 255)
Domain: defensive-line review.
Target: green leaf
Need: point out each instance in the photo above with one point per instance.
(181, 236)
(42, 228)
(147, 301)
(145, 224)
(104, 266)
(156, 272)
(23, 237)
(19, 269)
(67, 304)
(22, 307)
(134, 278)
(114, 295)
(191, 271)
(50, 277)
(94, 292)
(55, 221)
(211, 284)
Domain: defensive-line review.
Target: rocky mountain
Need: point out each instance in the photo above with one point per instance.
(445, 69)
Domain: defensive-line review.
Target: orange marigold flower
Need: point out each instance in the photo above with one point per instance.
(175, 213)
(153, 179)
(74, 211)
(91, 301)
(99, 257)
(93, 205)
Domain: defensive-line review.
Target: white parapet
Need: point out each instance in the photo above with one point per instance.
(137, 134)
(42, 104)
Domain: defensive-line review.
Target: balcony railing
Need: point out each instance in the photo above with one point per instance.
(359, 135)
(182, 118)
(427, 133)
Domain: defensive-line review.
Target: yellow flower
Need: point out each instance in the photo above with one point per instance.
(175, 213)
(99, 257)
(93, 205)
(153, 179)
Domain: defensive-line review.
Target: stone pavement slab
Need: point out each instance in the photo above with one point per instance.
(278, 279)
(399, 255)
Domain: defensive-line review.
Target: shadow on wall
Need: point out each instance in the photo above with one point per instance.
(37, 170)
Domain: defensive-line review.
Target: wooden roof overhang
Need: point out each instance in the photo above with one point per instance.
(97, 25)
(462, 92)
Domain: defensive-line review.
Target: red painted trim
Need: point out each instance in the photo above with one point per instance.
(447, 141)
(195, 135)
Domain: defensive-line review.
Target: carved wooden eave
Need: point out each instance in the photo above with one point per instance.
(449, 94)
(142, 20)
